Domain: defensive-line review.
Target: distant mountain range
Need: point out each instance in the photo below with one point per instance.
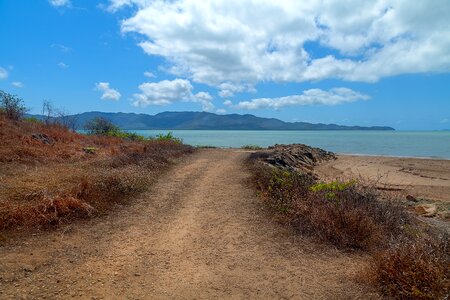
(206, 121)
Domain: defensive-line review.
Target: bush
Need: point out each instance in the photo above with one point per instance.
(12, 106)
(168, 137)
(413, 269)
(101, 126)
(341, 213)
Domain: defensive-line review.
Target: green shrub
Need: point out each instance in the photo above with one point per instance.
(101, 126)
(12, 106)
(168, 137)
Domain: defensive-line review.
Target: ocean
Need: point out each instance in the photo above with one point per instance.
(434, 144)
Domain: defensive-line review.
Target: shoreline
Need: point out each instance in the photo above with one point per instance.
(426, 180)
(393, 156)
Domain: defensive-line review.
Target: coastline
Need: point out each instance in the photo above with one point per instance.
(393, 156)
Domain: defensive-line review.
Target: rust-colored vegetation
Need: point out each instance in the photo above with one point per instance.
(409, 260)
(50, 175)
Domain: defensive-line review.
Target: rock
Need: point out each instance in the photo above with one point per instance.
(43, 138)
(411, 198)
(426, 210)
(295, 157)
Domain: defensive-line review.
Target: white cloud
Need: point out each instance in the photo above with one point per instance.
(62, 65)
(205, 99)
(309, 97)
(167, 92)
(235, 44)
(60, 3)
(149, 74)
(3, 73)
(108, 93)
(17, 84)
(221, 111)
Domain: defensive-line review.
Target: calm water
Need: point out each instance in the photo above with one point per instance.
(393, 143)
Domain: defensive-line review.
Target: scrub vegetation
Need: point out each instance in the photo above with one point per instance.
(50, 174)
(408, 260)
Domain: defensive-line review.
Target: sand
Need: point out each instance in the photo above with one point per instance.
(427, 180)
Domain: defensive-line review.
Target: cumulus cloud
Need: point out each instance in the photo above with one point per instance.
(3, 73)
(60, 3)
(167, 92)
(309, 97)
(17, 84)
(235, 44)
(108, 93)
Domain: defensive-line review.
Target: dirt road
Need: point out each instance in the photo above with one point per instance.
(200, 232)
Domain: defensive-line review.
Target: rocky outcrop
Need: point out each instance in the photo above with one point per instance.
(294, 157)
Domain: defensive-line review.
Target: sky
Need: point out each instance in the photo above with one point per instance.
(349, 62)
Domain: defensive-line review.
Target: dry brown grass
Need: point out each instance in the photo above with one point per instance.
(413, 269)
(48, 183)
(345, 215)
(408, 261)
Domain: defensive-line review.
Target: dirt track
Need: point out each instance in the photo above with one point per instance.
(199, 233)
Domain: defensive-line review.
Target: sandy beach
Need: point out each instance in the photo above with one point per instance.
(427, 180)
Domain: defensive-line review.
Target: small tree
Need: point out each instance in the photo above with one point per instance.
(101, 126)
(12, 106)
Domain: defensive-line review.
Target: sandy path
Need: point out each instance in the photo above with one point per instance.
(199, 233)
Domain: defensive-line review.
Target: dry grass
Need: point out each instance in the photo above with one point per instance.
(343, 214)
(52, 179)
(413, 269)
(408, 261)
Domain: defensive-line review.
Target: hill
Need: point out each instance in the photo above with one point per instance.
(207, 121)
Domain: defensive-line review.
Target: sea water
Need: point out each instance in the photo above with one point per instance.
(435, 144)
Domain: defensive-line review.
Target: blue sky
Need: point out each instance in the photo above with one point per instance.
(359, 63)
